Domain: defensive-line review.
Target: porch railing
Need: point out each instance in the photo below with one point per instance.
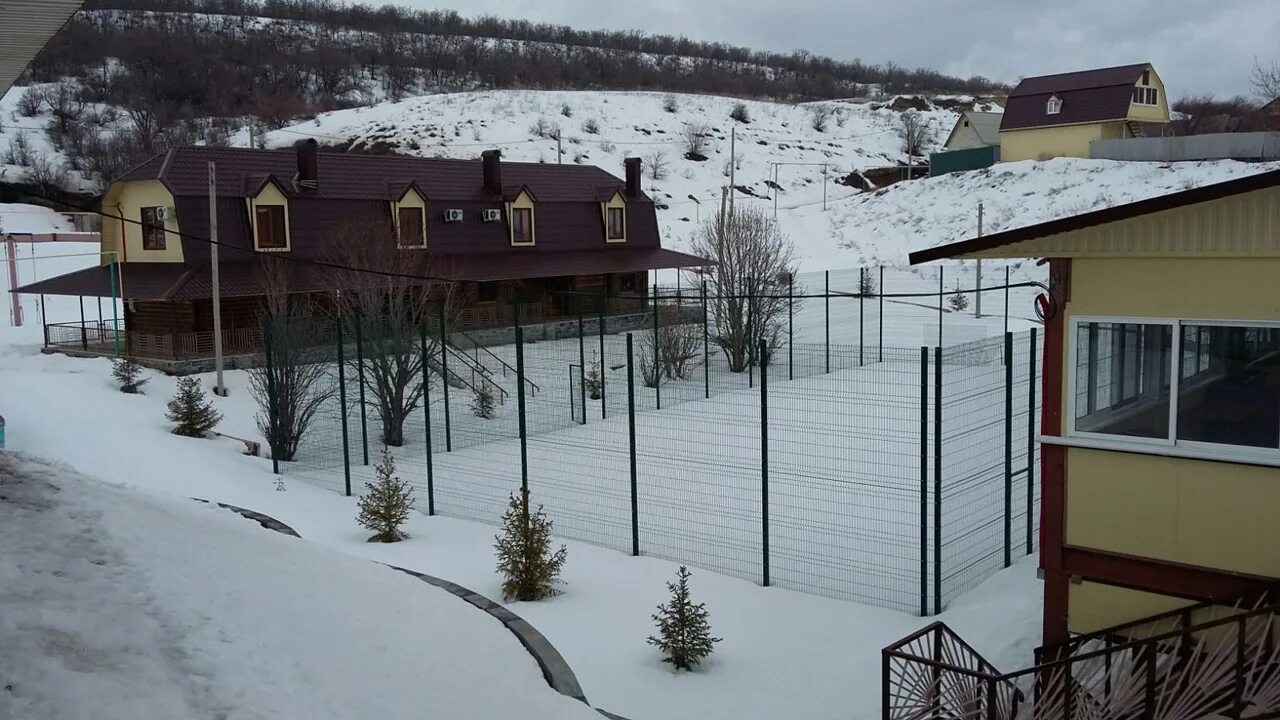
(1227, 666)
(100, 338)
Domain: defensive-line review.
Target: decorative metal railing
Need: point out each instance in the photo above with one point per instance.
(1224, 664)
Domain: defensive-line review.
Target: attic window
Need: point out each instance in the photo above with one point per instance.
(152, 229)
(410, 227)
(1146, 77)
(522, 226)
(617, 223)
(270, 223)
(1053, 106)
(1146, 96)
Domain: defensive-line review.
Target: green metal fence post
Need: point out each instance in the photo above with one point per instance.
(444, 376)
(582, 359)
(1008, 449)
(657, 373)
(631, 436)
(940, 294)
(924, 481)
(706, 346)
(937, 480)
(426, 412)
(604, 406)
(1031, 438)
(751, 348)
(826, 309)
(115, 306)
(273, 411)
(342, 402)
(524, 448)
(880, 320)
(364, 423)
(764, 459)
(862, 284)
(791, 337)
(1006, 298)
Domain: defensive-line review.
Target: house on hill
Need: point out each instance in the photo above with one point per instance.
(1160, 463)
(974, 129)
(1059, 115)
(552, 236)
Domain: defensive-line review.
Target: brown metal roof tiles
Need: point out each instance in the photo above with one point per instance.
(1087, 96)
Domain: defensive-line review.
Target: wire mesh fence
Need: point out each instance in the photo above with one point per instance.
(820, 460)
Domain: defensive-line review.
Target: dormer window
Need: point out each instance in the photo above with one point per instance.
(520, 221)
(269, 216)
(613, 213)
(522, 226)
(1053, 106)
(269, 223)
(410, 216)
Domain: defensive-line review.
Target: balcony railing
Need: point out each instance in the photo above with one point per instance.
(1225, 665)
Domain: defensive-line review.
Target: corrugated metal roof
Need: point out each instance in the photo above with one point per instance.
(25, 28)
(1087, 96)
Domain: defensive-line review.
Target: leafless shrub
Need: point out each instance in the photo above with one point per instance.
(747, 286)
(668, 354)
(608, 147)
(820, 116)
(46, 174)
(566, 111)
(291, 381)
(657, 164)
(669, 103)
(19, 151)
(694, 137)
(591, 126)
(1266, 80)
(739, 113)
(541, 128)
(32, 100)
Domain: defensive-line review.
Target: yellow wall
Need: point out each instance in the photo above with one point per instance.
(1244, 225)
(127, 200)
(1048, 142)
(1194, 512)
(1147, 113)
(522, 201)
(1093, 606)
(614, 202)
(270, 195)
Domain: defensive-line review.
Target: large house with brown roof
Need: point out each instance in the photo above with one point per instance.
(1059, 115)
(547, 234)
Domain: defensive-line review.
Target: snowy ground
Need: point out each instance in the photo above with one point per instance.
(125, 605)
(786, 654)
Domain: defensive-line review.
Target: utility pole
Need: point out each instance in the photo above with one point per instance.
(733, 162)
(559, 151)
(775, 191)
(824, 189)
(218, 388)
(977, 300)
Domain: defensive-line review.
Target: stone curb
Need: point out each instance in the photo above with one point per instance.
(554, 668)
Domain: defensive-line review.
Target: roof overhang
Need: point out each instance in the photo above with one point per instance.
(25, 28)
(1076, 236)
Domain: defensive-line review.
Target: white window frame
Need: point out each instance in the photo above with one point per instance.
(1147, 89)
(1170, 445)
(1053, 106)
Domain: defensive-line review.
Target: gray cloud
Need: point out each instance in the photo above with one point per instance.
(1198, 46)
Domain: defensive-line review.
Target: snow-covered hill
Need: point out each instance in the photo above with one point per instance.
(849, 228)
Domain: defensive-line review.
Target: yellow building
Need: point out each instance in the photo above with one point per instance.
(1059, 115)
(1161, 426)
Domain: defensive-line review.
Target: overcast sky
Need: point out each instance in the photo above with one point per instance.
(1197, 46)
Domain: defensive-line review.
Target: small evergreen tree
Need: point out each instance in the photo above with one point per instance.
(386, 503)
(684, 631)
(958, 301)
(866, 284)
(526, 561)
(482, 401)
(128, 375)
(190, 411)
(593, 380)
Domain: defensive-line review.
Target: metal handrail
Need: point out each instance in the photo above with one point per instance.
(505, 366)
(475, 368)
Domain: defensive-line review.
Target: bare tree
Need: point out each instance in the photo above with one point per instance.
(389, 296)
(656, 162)
(748, 285)
(1266, 80)
(912, 131)
(669, 353)
(48, 175)
(694, 137)
(291, 381)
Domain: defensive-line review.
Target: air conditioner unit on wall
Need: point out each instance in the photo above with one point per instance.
(453, 215)
(165, 214)
(492, 215)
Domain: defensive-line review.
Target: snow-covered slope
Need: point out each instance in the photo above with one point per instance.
(850, 228)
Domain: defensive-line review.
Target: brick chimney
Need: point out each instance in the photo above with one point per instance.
(308, 170)
(492, 171)
(632, 165)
